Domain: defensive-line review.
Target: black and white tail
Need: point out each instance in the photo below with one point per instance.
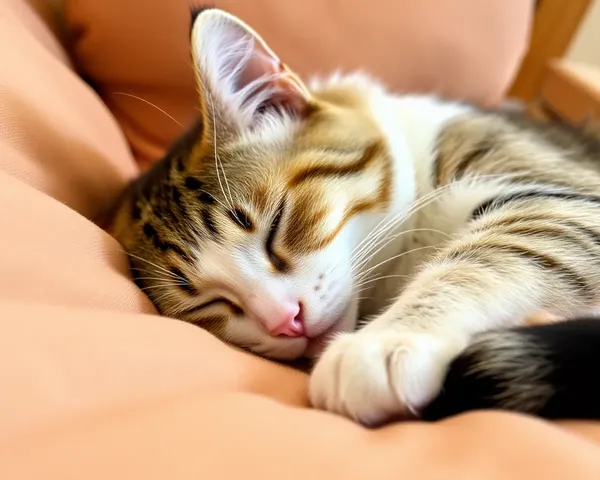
(551, 371)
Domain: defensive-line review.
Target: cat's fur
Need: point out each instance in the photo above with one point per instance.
(433, 222)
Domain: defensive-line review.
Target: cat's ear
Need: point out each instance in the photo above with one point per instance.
(239, 76)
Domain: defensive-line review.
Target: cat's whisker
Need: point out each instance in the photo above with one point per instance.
(217, 166)
(359, 263)
(151, 104)
(165, 295)
(216, 200)
(218, 163)
(409, 210)
(158, 279)
(358, 267)
(376, 279)
(377, 234)
(362, 258)
(144, 271)
(164, 285)
(154, 265)
(400, 255)
(364, 274)
(162, 269)
(389, 221)
(230, 198)
(172, 284)
(231, 201)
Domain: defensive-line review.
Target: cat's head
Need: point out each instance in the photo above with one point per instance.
(249, 227)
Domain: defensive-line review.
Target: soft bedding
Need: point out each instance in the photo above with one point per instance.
(95, 385)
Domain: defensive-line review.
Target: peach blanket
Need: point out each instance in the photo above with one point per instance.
(95, 386)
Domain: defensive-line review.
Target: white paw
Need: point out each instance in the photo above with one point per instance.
(376, 376)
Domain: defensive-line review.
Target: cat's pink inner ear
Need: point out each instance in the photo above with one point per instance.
(286, 89)
(239, 70)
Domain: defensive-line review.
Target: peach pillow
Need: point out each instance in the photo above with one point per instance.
(467, 48)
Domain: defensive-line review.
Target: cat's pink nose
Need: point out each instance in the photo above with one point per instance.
(291, 323)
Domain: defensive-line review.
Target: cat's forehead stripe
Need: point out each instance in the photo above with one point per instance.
(370, 154)
(305, 232)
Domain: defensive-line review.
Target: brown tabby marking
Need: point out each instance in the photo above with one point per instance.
(301, 239)
(490, 143)
(371, 153)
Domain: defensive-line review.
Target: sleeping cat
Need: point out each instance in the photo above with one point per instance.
(401, 241)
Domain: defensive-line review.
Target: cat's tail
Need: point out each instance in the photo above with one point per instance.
(551, 371)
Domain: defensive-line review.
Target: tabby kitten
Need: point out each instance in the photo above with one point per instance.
(288, 215)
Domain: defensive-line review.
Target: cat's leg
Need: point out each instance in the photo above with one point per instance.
(493, 276)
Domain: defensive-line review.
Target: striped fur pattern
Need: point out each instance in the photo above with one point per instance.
(546, 370)
(408, 237)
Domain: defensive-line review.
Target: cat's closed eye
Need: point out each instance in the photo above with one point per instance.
(241, 218)
(280, 264)
(235, 309)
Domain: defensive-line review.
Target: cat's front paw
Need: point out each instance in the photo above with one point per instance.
(376, 376)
